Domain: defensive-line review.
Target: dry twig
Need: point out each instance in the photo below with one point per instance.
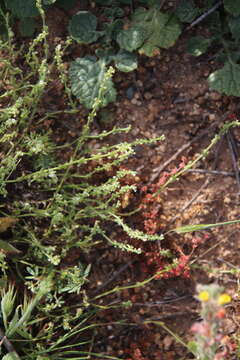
(234, 155)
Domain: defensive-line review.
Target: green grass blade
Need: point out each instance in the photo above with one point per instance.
(199, 227)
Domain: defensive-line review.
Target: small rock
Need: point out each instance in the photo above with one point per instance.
(134, 101)
(148, 95)
(130, 92)
(212, 117)
(162, 148)
(136, 95)
(167, 342)
(135, 131)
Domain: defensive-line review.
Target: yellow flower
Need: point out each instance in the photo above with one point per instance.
(224, 299)
(203, 296)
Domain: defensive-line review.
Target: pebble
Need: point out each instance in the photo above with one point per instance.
(162, 148)
(227, 200)
(137, 95)
(130, 92)
(134, 101)
(135, 131)
(148, 95)
(212, 117)
(167, 342)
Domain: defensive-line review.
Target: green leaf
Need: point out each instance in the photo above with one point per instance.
(114, 12)
(232, 6)
(198, 45)
(104, 2)
(199, 227)
(27, 26)
(208, 4)
(86, 75)
(160, 30)
(193, 347)
(8, 247)
(111, 30)
(66, 4)
(11, 356)
(234, 24)
(26, 8)
(222, 57)
(226, 80)
(131, 39)
(108, 55)
(187, 11)
(215, 24)
(126, 61)
(82, 27)
(49, 2)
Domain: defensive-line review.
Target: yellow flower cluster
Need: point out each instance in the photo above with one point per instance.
(204, 296)
(222, 299)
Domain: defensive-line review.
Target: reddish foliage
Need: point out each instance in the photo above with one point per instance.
(151, 206)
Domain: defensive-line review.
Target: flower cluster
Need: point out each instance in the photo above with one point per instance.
(136, 353)
(166, 175)
(151, 201)
(208, 333)
(157, 262)
(151, 204)
(197, 240)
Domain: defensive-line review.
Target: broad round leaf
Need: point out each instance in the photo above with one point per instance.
(162, 29)
(49, 2)
(187, 11)
(66, 4)
(86, 76)
(82, 27)
(126, 61)
(131, 39)
(234, 24)
(198, 45)
(26, 8)
(11, 356)
(226, 80)
(27, 26)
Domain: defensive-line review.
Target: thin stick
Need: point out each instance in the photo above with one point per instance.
(163, 302)
(227, 263)
(203, 16)
(233, 151)
(166, 316)
(212, 172)
(113, 277)
(159, 169)
(207, 251)
(195, 196)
